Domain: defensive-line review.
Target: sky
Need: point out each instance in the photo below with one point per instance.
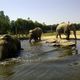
(47, 11)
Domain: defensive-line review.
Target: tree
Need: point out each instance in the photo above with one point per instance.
(4, 23)
(13, 27)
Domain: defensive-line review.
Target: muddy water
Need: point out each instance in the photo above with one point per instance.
(41, 61)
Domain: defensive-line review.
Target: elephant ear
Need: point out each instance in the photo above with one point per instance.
(72, 27)
(68, 26)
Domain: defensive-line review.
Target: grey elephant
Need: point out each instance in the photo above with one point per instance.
(35, 34)
(9, 47)
(65, 28)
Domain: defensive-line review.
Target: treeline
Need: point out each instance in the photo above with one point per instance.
(22, 26)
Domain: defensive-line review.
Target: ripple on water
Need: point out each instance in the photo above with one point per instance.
(38, 53)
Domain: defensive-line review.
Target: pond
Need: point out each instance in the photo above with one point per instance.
(41, 61)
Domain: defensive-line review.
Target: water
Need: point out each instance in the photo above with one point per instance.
(41, 61)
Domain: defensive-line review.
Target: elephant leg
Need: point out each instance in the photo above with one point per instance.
(74, 32)
(67, 37)
(35, 38)
(68, 34)
(56, 35)
(60, 36)
(39, 38)
(31, 37)
(30, 40)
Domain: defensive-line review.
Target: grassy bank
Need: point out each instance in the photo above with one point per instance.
(49, 34)
(46, 35)
(20, 36)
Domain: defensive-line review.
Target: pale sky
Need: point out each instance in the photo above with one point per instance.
(48, 11)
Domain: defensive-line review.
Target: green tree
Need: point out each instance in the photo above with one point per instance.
(4, 23)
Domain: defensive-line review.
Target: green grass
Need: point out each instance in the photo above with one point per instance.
(20, 36)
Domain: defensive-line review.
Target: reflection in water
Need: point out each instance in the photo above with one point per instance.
(68, 51)
(37, 52)
(7, 67)
(42, 51)
(6, 70)
(76, 50)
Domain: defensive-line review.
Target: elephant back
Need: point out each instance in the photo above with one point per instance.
(61, 28)
(35, 34)
(37, 31)
(9, 47)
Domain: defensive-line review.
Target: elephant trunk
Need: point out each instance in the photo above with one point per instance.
(30, 40)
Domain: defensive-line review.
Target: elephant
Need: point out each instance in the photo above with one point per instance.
(35, 34)
(9, 47)
(65, 28)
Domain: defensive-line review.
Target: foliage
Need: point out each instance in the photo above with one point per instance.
(4, 23)
(22, 26)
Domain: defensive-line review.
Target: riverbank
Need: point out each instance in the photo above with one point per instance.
(63, 37)
(50, 35)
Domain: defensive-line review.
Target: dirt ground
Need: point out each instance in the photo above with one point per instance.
(54, 37)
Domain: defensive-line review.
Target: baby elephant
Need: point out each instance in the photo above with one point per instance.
(35, 34)
(65, 28)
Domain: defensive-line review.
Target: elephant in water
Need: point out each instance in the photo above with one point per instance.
(35, 34)
(65, 28)
(9, 47)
